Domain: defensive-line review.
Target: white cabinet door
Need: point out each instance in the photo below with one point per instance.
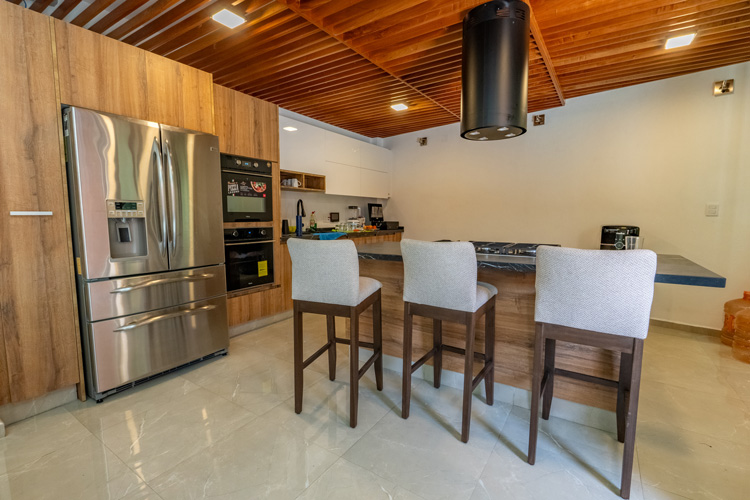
(301, 150)
(375, 158)
(375, 184)
(342, 179)
(342, 149)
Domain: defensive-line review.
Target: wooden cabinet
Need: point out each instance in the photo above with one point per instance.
(301, 150)
(246, 126)
(39, 334)
(100, 73)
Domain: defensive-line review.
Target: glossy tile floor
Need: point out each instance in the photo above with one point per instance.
(226, 429)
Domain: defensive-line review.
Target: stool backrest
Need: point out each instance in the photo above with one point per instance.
(440, 274)
(605, 291)
(324, 271)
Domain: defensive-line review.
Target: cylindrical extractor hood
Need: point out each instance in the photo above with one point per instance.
(495, 71)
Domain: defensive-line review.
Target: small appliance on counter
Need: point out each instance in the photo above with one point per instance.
(613, 237)
(389, 225)
(355, 216)
(375, 214)
(248, 253)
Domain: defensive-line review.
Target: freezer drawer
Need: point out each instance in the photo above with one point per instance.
(126, 296)
(127, 349)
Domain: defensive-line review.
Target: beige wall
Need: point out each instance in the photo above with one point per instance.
(651, 155)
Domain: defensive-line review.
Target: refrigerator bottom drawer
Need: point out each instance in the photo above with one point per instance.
(127, 349)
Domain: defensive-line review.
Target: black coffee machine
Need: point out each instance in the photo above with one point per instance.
(613, 237)
(375, 214)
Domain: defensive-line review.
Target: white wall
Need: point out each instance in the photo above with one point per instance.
(650, 155)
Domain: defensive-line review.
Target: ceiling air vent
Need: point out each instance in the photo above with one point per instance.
(495, 71)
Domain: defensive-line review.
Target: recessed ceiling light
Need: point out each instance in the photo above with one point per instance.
(679, 41)
(399, 107)
(290, 129)
(228, 18)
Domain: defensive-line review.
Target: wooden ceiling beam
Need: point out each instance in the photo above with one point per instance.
(64, 8)
(182, 9)
(548, 63)
(143, 17)
(40, 5)
(117, 15)
(90, 12)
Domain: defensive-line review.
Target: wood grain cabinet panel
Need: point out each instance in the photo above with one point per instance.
(37, 303)
(245, 125)
(100, 73)
(179, 95)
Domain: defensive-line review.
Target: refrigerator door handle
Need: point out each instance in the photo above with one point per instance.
(162, 317)
(156, 153)
(173, 198)
(163, 281)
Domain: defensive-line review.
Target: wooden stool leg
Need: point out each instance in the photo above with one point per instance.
(331, 325)
(377, 338)
(536, 389)
(298, 380)
(437, 343)
(632, 417)
(549, 372)
(489, 353)
(406, 376)
(468, 376)
(353, 366)
(623, 389)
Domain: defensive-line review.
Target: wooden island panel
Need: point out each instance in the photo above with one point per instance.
(514, 344)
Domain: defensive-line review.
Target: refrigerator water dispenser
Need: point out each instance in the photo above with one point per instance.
(127, 229)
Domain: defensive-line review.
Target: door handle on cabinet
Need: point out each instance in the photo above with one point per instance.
(162, 317)
(163, 281)
(37, 213)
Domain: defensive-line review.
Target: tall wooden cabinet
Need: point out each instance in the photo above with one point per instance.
(39, 346)
(245, 125)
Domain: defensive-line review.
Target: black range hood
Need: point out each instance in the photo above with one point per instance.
(495, 71)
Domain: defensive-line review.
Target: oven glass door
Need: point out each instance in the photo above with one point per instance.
(246, 197)
(248, 264)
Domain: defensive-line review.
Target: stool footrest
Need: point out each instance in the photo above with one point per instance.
(317, 354)
(457, 350)
(369, 345)
(368, 364)
(586, 378)
(423, 359)
(480, 376)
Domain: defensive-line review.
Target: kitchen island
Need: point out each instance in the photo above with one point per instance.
(514, 276)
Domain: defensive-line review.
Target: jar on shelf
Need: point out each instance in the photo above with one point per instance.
(731, 309)
(741, 340)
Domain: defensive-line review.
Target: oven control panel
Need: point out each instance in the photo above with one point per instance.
(248, 234)
(246, 164)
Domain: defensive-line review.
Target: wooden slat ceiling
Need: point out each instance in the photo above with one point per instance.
(344, 62)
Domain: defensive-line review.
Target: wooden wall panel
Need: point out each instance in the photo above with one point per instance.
(99, 73)
(179, 95)
(245, 125)
(37, 303)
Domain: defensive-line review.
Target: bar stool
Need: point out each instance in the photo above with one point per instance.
(325, 280)
(440, 282)
(599, 298)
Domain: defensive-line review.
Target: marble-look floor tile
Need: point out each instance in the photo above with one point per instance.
(653, 493)
(29, 440)
(710, 414)
(573, 462)
(126, 405)
(693, 465)
(347, 481)
(424, 453)
(260, 460)
(154, 441)
(84, 470)
(694, 372)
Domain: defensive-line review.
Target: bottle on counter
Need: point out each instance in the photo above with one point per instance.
(731, 310)
(313, 222)
(741, 340)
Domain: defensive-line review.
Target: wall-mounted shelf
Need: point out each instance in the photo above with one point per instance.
(307, 182)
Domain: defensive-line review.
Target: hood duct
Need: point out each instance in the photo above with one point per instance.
(495, 71)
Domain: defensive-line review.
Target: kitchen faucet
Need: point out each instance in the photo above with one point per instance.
(300, 208)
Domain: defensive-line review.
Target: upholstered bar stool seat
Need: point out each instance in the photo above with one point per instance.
(440, 282)
(599, 298)
(325, 280)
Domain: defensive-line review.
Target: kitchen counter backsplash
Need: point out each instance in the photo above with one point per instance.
(323, 204)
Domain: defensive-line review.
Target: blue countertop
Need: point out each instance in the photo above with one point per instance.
(673, 269)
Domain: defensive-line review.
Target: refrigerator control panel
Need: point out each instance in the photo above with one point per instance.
(118, 209)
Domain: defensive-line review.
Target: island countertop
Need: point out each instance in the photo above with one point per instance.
(673, 269)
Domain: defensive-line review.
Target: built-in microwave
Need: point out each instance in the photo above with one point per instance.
(247, 189)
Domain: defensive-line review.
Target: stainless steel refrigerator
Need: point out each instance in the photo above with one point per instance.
(146, 213)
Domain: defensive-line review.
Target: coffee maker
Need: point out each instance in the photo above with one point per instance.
(375, 214)
(613, 237)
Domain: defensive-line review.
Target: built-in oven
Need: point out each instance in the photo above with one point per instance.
(249, 257)
(246, 183)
